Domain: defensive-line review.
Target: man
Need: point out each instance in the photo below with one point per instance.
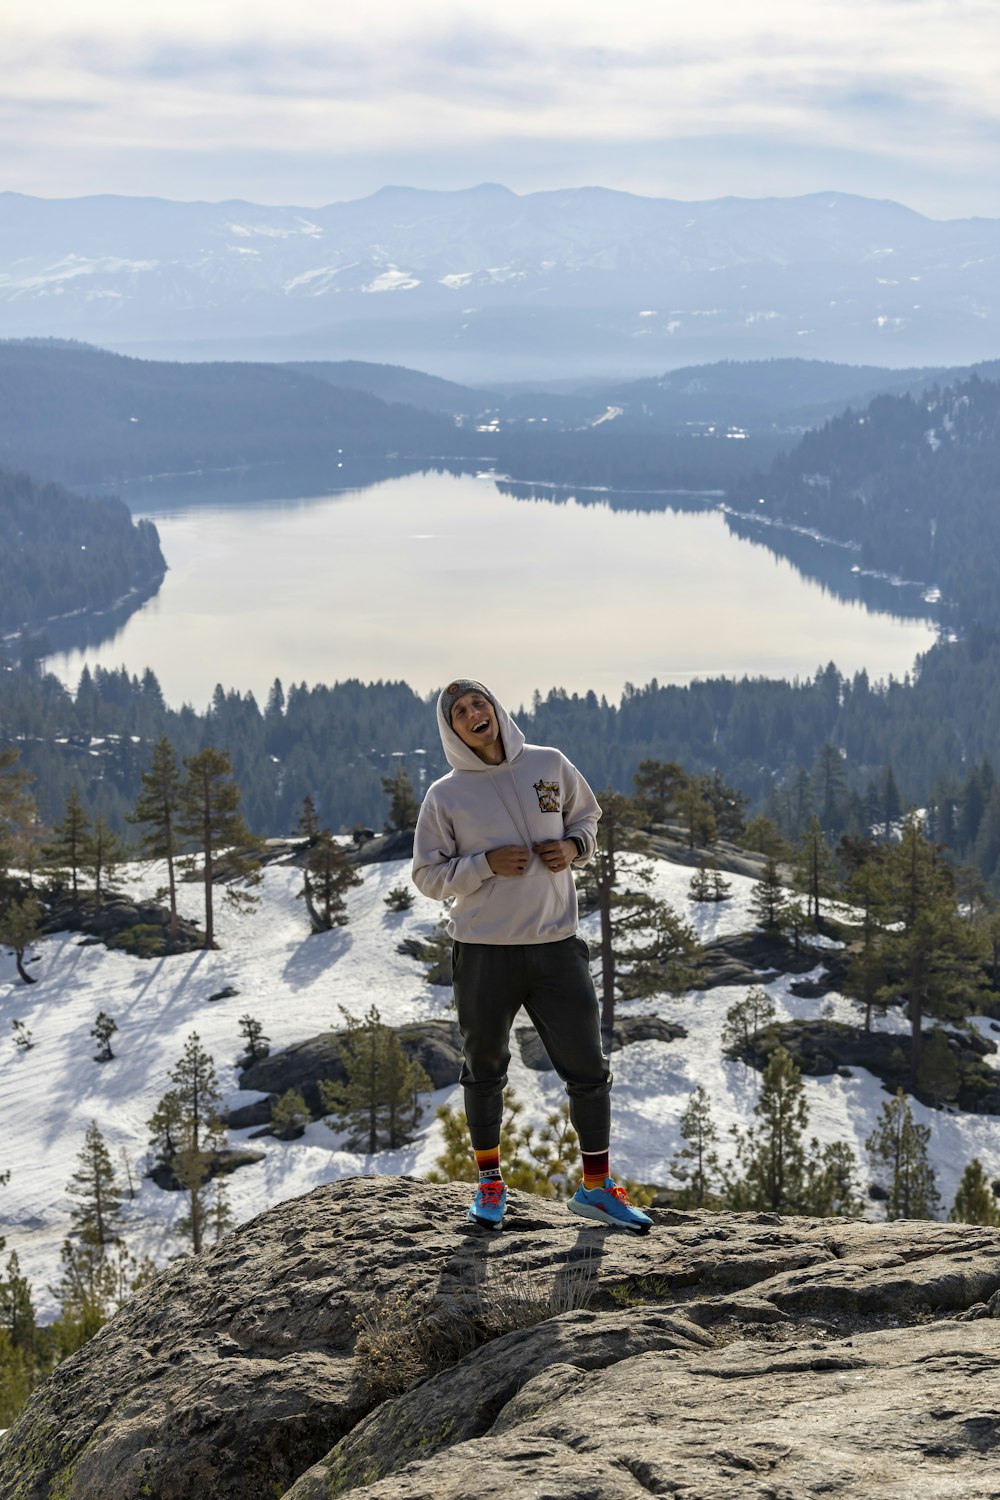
(498, 837)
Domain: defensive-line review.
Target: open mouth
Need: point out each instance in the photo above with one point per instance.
(481, 727)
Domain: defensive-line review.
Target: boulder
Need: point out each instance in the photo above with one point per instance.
(436, 1045)
(364, 1341)
(138, 927)
(748, 958)
(220, 1164)
(385, 846)
(627, 1029)
(821, 1047)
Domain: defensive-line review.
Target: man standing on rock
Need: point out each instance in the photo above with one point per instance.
(497, 837)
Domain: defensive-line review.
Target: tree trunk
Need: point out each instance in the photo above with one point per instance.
(209, 910)
(607, 967)
(172, 887)
(19, 961)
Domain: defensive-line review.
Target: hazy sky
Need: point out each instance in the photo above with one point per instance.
(300, 103)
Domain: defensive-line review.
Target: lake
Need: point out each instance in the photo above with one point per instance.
(427, 576)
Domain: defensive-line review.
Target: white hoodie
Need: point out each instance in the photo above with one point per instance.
(534, 794)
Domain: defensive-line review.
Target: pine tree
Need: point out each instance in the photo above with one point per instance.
(16, 808)
(22, 1036)
(707, 884)
(897, 1149)
(186, 1132)
(256, 1043)
(656, 787)
(378, 1101)
(636, 929)
(932, 955)
(328, 876)
(696, 1162)
(768, 896)
(403, 804)
(103, 853)
(745, 1020)
(20, 928)
(290, 1115)
(102, 1031)
(659, 951)
(772, 1153)
(220, 1213)
(67, 852)
(697, 814)
(436, 953)
(95, 1281)
(208, 814)
(157, 813)
(17, 1312)
(400, 898)
(97, 1215)
(938, 1075)
(831, 1182)
(974, 1201)
(830, 784)
(308, 820)
(866, 972)
(815, 871)
(762, 837)
(888, 803)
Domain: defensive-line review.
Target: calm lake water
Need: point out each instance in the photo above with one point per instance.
(430, 576)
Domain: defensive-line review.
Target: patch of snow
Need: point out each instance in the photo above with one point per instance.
(392, 280)
(70, 269)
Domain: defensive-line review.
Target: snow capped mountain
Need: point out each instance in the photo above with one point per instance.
(294, 983)
(590, 272)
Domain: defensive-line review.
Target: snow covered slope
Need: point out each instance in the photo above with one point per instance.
(295, 983)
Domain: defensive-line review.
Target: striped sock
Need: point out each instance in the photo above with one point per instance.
(595, 1169)
(488, 1162)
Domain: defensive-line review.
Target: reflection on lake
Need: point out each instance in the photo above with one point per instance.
(426, 576)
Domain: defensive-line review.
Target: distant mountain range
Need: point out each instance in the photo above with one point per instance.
(484, 285)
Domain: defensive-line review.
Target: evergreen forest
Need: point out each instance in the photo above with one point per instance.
(61, 554)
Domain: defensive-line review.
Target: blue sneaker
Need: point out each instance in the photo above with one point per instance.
(487, 1207)
(609, 1205)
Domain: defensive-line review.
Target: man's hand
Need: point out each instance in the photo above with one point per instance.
(509, 859)
(556, 854)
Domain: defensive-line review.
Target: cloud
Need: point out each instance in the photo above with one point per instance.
(887, 82)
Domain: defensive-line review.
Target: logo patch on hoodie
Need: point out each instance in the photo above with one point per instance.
(548, 795)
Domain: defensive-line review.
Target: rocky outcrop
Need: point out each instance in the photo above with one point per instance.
(397, 844)
(137, 927)
(748, 958)
(669, 841)
(719, 1355)
(217, 1164)
(821, 1047)
(436, 1045)
(627, 1029)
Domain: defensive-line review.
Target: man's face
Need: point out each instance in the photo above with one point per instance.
(474, 720)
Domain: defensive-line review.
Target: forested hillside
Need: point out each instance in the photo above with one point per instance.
(914, 480)
(83, 416)
(926, 741)
(60, 553)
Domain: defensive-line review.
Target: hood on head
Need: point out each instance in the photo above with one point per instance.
(462, 757)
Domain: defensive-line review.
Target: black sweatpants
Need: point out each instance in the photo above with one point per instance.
(552, 981)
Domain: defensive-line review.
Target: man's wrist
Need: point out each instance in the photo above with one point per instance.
(578, 844)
